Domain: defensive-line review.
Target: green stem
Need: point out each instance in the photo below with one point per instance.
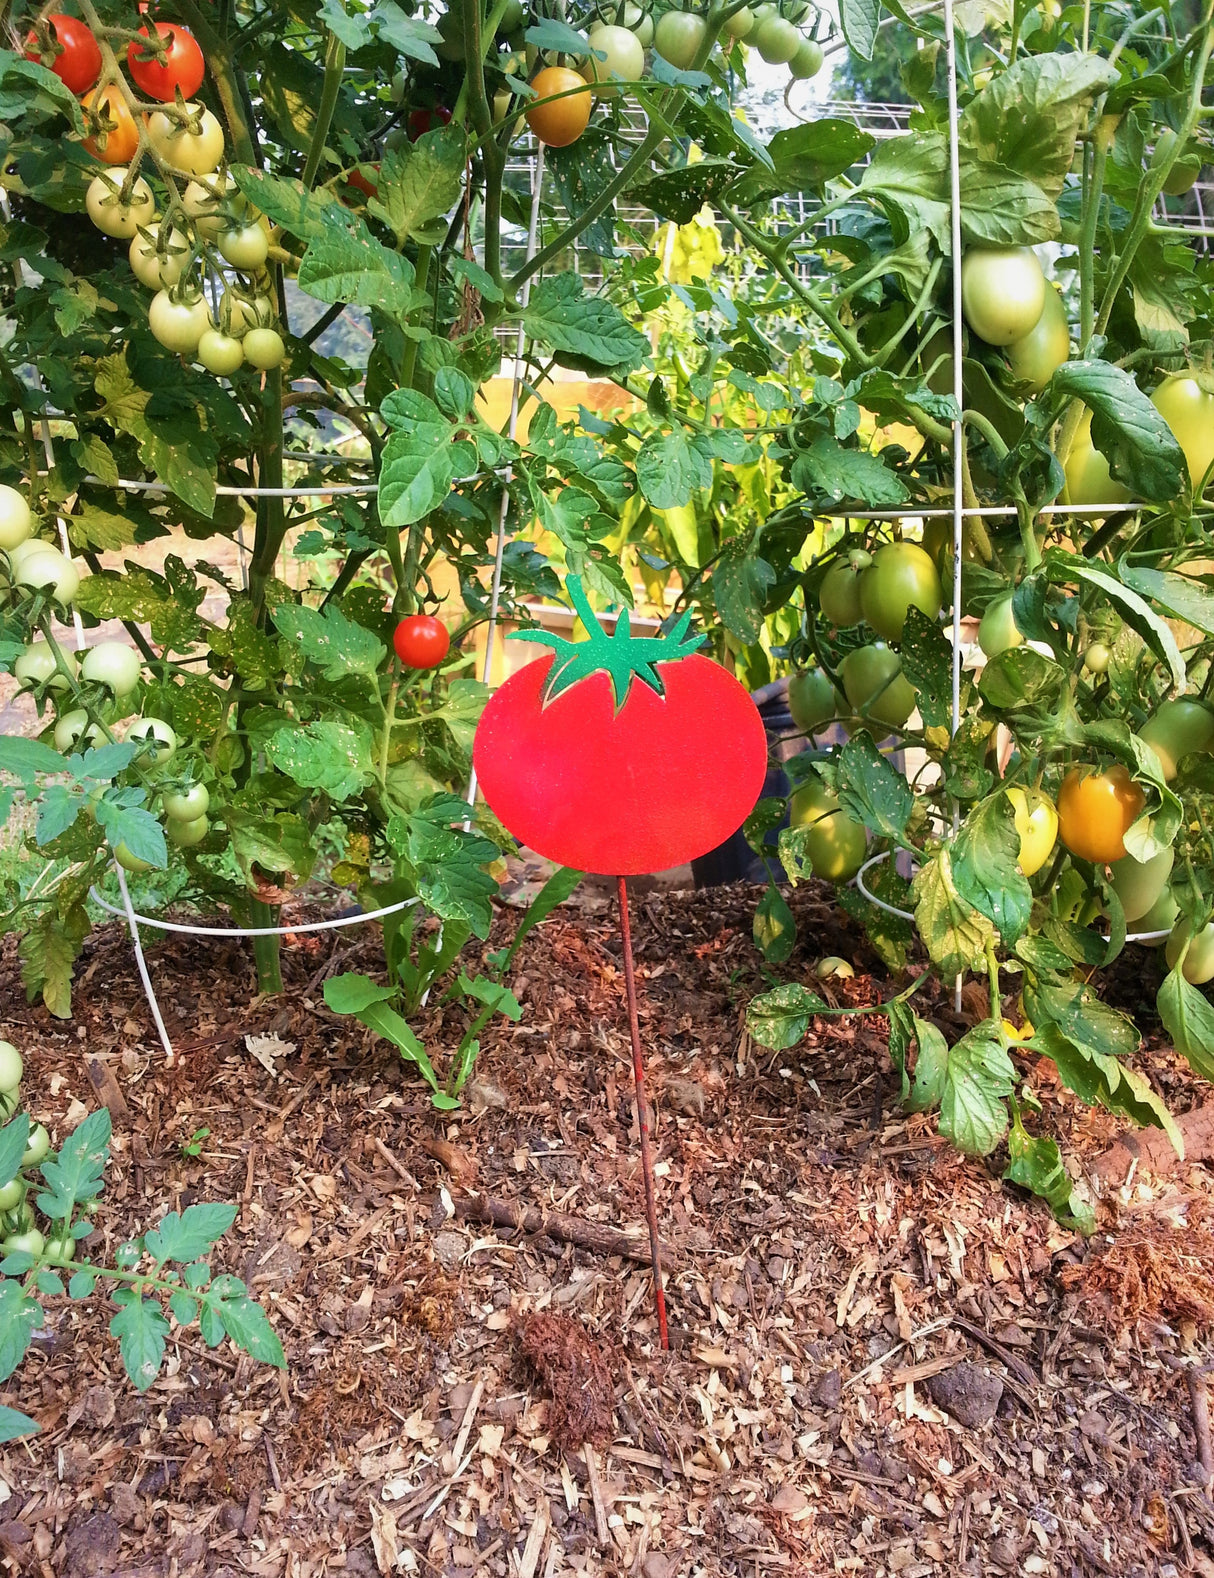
(408, 365)
(1154, 178)
(266, 949)
(804, 292)
(983, 424)
(335, 60)
(389, 718)
(271, 515)
(223, 77)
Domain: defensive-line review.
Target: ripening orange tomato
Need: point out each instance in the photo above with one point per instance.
(119, 141)
(563, 120)
(1096, 810)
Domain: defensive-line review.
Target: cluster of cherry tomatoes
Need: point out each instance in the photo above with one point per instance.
(205, 224)
(1008, 302)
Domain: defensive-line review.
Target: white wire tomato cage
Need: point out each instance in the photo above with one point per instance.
(892, 124)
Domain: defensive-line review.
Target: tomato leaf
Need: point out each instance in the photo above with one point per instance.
(20, 1315)
(341, 266)
(871, 790)
(14, 1137)
(141, 1329)
(277, 843)
(186, 1236)
(560, 315)
(741, 581)
(289, 203)
(774, 929)
(14, 1424)
(1182, 596)
(670, 468)
(780, 1018)
(582, 174)
(1028, 117)
(977, 1082)
(927, 658)
(1035, 1163)
(828, 472)
(954, 933)
(984, 856)
(331, 640)
(245, 1322)
(859, 20)
(1019, 678)
(76, 1174)
(1141, 448)
(1189, 1018)
(419, 183)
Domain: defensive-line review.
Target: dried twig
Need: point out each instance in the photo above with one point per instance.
(556, 1224)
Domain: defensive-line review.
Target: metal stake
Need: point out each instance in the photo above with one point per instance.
(638, 1079)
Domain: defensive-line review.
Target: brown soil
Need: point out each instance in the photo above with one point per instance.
(884, 1360)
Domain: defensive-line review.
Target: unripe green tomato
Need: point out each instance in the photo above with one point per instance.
(625, 56)
(114, 665)
(37, 1146)
(74, 732)
(1097, 658)
(1088, 478)
(835, 842)
(48, 570)
(151, 267)
(678, 36)
(60, 1251)
(812, 699)
(1198, 967)
(740, 24)
(210, 210)
(776, 40)
(11, 1066)
(1002, 292)
(1037, 355)
(875, 685)
(185, 805)
(10, 1100)
(1175, 730)
(264, 349)
(179, 323)
(246, 247)
(130, 862)
(158, 733)
(1189, 412)
(113, 215)
(998, 631)
(37, 666)
(1160, 917)
(220, 353)
(808, 60)
(186, 834)
(901, 575)
(839, 593)
(1138, 883)
(1184, 172)
(30, 1243)
(11, 1194)
(16, 522)
(1036, 822)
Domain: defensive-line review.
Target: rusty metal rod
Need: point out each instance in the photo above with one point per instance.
(638, 1079)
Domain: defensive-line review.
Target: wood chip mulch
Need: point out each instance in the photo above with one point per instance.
(884, 1360)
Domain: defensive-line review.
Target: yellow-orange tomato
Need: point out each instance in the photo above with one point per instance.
(119, 143)
(1096, 810)
(563, 120)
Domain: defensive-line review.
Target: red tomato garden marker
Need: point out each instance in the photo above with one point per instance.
(617, 756)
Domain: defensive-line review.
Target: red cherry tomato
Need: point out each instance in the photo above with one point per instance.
(182, 67)
(621, 756)
(426, 120)
(360, 182)
(421, 641)
(78, 65)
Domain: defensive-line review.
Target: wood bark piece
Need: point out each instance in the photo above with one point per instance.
(565, 1229)
(1152, 1149)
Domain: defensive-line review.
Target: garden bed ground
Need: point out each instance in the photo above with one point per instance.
(884, 1360)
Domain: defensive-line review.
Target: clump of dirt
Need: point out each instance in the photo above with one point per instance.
(575, 1375)
(1154, 1270)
